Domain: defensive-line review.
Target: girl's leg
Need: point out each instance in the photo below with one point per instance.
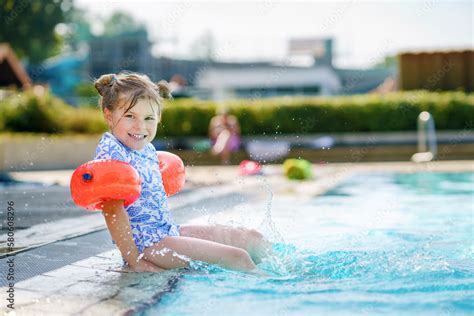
(166, 254)
(221, 142)
(248, 239)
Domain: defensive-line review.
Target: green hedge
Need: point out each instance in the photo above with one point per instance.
(185, 117)
(364, 113)
(27, 112)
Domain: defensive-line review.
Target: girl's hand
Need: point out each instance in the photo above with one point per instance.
(145, 266)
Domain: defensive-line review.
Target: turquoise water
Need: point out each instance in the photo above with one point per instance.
(386, 243)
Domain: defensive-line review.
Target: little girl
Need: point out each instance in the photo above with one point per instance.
(144, 232)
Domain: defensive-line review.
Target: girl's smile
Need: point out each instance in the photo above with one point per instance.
(137, 136)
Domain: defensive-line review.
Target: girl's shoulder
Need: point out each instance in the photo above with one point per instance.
(151, 148)
(110, 147)
(150, 151)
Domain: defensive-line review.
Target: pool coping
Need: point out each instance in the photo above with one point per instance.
(99, 284)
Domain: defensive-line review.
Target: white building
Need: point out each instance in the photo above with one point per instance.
(320, 77)
(268, 81)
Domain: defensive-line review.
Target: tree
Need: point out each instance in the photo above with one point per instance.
(29, 25)
(121, 22)
(78, 28)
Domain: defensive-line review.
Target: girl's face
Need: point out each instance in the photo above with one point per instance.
(135, 128)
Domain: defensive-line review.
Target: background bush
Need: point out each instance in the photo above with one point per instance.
(27, 112)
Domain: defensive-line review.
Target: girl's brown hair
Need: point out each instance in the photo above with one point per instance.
(127, 88)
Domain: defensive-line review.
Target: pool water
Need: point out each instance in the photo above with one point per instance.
(385, 243)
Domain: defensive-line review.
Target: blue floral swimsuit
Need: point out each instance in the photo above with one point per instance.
(150, 218)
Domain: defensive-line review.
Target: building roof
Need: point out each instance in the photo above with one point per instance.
(11, 70)
(268, 76)
(363, 80)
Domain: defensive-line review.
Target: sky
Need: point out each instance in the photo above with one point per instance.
(363, 31)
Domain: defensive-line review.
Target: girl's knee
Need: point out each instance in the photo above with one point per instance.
(238, 255)
(255, 234)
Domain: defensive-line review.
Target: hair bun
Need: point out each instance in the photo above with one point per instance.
(104, 82)
(164, 89)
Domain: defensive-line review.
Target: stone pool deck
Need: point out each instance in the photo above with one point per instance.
(97, 284)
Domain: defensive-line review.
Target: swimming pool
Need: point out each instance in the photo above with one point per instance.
(388, 243)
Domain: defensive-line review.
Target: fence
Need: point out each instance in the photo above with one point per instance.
(437, 71)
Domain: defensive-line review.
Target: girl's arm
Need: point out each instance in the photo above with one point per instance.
(119, 226)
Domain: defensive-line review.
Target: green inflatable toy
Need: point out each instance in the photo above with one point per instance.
(297, 169)
(202, 146)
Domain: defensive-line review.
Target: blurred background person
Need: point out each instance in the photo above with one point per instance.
(224, 132)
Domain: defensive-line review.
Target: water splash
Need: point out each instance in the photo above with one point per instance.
(267, 226)
(287, 261)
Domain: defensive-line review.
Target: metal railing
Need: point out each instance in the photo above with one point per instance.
(427, 144)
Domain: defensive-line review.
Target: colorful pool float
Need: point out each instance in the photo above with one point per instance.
(97, 181)
(172, 171)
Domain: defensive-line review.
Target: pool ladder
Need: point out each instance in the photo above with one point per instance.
(427, 146)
